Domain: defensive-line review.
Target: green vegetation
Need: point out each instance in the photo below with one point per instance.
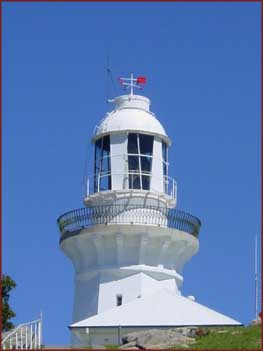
(222, 338)
(111, 347)
(7, 313)
(229, 338)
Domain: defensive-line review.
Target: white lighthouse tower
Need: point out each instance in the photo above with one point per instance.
(129, 244)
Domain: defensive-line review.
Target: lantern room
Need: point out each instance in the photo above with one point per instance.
(131, 153)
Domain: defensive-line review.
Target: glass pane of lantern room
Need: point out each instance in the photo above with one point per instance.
(165, 178)
(105, 164)
(98, 145)
(165, 166)
(146, 144)
(133, 162)
(106, 145)
(146, 164)
(146, 182)
(134, 177)
(105, 182)
(164, 149)
(132, 144)
(134, 181)
(97, 157)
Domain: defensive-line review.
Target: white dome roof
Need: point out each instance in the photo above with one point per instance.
(131, 113)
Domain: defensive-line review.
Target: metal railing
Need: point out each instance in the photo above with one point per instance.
(128, 214)
(25, 336)
(94, 183)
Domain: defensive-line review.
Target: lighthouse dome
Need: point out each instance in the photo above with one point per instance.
(131, 113)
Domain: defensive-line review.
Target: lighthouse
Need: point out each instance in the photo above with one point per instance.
(129, 243)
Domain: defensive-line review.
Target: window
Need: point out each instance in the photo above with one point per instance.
(118, 300)
(165, 166)
(132, 144)
(140, 149)
(146, 144)
(164, 150)
(102, 166)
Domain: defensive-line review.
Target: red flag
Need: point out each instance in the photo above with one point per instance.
(141, 80)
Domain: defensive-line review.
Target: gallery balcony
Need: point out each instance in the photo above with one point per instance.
(76, 220)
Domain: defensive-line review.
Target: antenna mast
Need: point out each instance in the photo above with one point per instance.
(256, 277)
(109, 80)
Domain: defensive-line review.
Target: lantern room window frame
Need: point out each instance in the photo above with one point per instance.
(165, 165)
(139, 157)
(140, 154)
(102, 164)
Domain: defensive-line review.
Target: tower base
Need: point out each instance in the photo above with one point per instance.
(162, 309)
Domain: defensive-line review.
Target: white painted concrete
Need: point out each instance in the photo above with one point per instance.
(118, 149)
(162, 308)
(157, 183)
(140, 258)
(131, 114)
(114, 245)
(124, 259)
(132, 197)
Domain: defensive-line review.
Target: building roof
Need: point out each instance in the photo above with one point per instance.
(131, 113)
(163, 308)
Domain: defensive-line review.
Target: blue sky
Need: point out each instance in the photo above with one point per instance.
(202, 61)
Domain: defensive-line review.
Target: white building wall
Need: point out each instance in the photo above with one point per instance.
(157, 166)
(149, 284)
(131, 287)
(132, 260)
(97, 292)
(118, 149)
(86, 297)
(128, 287)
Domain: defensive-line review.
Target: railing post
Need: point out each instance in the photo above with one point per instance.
(35, 338)
(40, 329)
(119, 335)
(26, 338)
(122, 214)
(87, 190)
(31, 339)
(21, 338)
(16, 341)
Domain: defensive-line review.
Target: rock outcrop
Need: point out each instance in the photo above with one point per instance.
(160, 339)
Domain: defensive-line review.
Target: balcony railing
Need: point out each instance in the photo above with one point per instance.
(132, 214)
(25, 336)
(131, 180)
